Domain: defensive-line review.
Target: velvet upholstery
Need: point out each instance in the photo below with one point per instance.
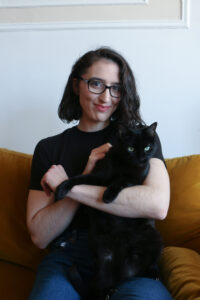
(180, 263)
(182, 225)
(181, 272)
(18, 256)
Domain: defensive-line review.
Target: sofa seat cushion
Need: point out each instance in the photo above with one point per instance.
(16, 281)
(15, 243)
(182, 225)
(180, 269)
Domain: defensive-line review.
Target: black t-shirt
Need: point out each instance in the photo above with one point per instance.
(71, 149)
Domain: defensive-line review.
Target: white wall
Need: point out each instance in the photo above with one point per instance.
(34, 66)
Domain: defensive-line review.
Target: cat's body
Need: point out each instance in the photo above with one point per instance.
(123, 247)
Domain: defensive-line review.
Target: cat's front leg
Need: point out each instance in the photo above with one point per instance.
(113, 190)
(62, 190)
(65, 186)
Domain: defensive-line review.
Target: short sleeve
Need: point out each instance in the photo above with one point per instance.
(40, 164)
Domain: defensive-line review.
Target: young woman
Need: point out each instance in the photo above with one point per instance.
(100, 93)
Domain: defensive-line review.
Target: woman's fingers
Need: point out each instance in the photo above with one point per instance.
(95, 155)
(52, 178)
(103, 148)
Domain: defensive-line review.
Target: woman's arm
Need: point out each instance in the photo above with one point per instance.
(149, 200)
(47, 219)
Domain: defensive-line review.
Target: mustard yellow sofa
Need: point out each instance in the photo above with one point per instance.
(180, 263)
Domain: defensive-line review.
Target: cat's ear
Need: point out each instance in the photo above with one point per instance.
(152, 129)
(122, 131)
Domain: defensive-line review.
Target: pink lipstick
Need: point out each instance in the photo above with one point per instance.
(102, 108)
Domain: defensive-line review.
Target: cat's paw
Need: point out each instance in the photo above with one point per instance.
(108, 196)
(62, 190)
(152, 272)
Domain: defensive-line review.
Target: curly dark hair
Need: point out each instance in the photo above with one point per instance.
(127, 112)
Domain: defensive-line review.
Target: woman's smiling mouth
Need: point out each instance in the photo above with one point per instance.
(102, 108)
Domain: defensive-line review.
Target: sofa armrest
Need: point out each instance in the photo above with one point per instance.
(15, 243)
(180, 271)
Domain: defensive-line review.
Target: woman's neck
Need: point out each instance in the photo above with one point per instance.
(92, 127)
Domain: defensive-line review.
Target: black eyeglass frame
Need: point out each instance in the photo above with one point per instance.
(105, 86)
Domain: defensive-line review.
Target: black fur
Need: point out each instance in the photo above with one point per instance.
(123, 247)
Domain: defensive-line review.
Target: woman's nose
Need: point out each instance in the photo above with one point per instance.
(105, 96)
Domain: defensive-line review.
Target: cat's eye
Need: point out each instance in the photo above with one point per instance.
(147, 148)
(130, 149)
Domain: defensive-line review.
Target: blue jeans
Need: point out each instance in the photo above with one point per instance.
(52, 283)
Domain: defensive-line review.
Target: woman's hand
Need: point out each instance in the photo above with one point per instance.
(95, 155)
(52, 178)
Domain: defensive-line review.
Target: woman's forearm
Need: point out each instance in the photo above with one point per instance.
(148, 200)
(138, 201)
(49, 220)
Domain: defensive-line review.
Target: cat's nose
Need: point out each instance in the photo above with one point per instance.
(143, 160)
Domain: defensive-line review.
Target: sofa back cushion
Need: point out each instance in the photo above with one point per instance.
(182, 225)
(180, 228)
(15, 243)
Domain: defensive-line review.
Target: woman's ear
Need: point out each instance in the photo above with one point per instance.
(76, 86)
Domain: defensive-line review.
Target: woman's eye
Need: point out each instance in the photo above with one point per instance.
(130, 149)
(147, 148)
(116, 88)
(96, 83)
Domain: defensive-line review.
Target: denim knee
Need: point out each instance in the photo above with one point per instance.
(51, 282)
(52, 276)
(141, 288)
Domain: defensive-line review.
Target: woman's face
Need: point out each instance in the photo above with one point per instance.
(97, 108)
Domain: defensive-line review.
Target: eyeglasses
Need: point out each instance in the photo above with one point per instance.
(97, 86)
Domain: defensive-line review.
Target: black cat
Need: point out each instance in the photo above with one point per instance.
(123, 247)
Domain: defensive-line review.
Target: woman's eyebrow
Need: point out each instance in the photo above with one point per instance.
(100, 79)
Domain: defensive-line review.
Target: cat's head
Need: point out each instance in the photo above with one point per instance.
(138, 143)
